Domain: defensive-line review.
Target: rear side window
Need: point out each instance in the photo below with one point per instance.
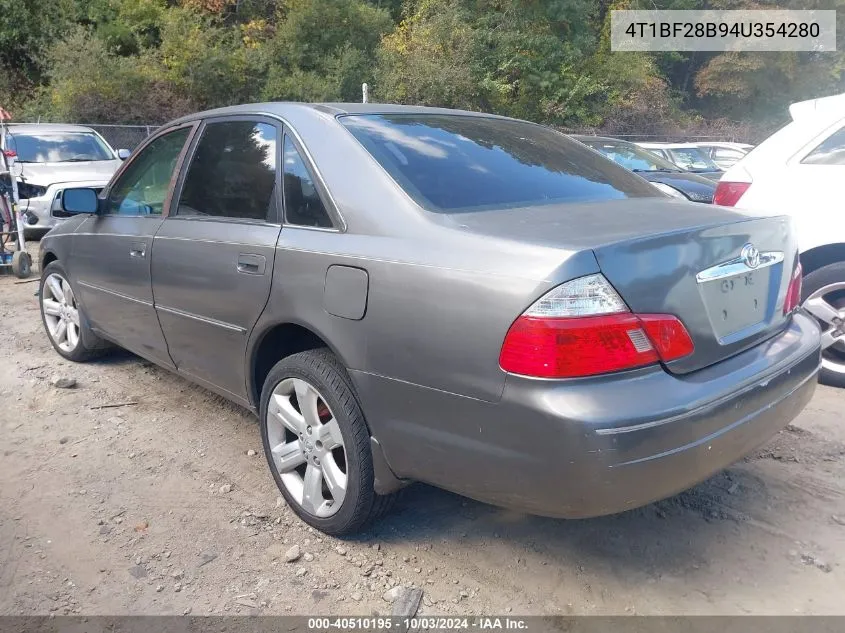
(303, 206)
(459, 163)
(232, 173)
(831, 151)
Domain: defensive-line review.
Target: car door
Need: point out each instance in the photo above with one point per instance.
(111, 250)
(212, 259)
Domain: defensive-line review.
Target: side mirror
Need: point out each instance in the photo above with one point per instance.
(123, 154)
(79, 201)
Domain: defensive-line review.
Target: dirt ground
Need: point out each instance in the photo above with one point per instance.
(128, 510)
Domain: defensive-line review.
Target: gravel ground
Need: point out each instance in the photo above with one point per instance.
(166, 506)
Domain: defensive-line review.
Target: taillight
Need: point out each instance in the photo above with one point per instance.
(728, 193)
(793, 292)
(583, 328)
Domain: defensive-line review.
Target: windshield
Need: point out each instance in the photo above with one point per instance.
(693, 159)
(59, 147)
(458, 163)
(630, 156)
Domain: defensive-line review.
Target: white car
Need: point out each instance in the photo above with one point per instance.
(50, 158)
(800, 171)
(723, 153)
(687, 156)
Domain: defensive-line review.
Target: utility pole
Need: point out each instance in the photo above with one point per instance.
(365, 89)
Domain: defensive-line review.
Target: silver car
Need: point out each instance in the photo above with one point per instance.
(50, 158)
(411, 294)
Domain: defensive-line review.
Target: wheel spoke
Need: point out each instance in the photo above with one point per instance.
(53, 308)
(306, 396)
(67, 292)
(312, 489)
(329, 435)
(284, 411)
(288, 456)
(61, 332)
(335, 478)
(55, 288)
(822, 310)
(72, 334)
(830, 337)
(74, 316)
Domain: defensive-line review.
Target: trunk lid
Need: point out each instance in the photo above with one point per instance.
(675, 258)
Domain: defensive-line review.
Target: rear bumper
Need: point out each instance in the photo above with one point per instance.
(581, 448)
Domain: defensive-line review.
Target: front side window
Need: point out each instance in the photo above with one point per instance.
(831, 151)
(232, 173)
(303, 205)
(59, 147)
(142, 188)
(458, 163)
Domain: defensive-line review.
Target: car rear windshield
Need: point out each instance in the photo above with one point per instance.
(59, 147)
(458, 163)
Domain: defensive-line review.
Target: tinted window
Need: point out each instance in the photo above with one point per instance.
(453, 163)
(142, 188)
(830, 152)
(303, 205)
(56, 147)
(232, 173)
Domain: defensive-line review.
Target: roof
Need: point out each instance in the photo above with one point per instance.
(826, 107)
(46, 128)
(287, 109)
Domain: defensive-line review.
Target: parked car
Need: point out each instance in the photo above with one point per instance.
(660, 172)
(417, 294)
(688, 157)
(725, 154)
(50, 158)
(800, 171)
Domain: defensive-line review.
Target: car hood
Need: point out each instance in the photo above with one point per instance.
(46, 174)
(697, 188)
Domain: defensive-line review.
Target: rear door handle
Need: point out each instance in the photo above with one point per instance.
(138, 249)
(251, 264)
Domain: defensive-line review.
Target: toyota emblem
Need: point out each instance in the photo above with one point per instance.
(750, 255)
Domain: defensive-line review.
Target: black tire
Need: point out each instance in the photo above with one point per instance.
(21, 264)
(89, 345)
(812, 282)
(361, 505)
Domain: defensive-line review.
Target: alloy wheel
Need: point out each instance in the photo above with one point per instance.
(827, 304)
(61, 312)
(307, 447)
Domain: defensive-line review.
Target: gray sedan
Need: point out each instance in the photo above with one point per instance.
(413, 294)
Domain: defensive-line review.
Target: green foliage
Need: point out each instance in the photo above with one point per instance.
(546, 60)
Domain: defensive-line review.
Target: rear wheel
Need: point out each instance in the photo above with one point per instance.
(824, 298)
(317, 443)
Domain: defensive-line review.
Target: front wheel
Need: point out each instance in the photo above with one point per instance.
(66, 325)
(317, 443)
(824, 298)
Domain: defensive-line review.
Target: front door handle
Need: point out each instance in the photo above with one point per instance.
(138, 249)
(251, 264)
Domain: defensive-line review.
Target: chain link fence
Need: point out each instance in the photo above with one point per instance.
(130, 136)
(123, 136)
